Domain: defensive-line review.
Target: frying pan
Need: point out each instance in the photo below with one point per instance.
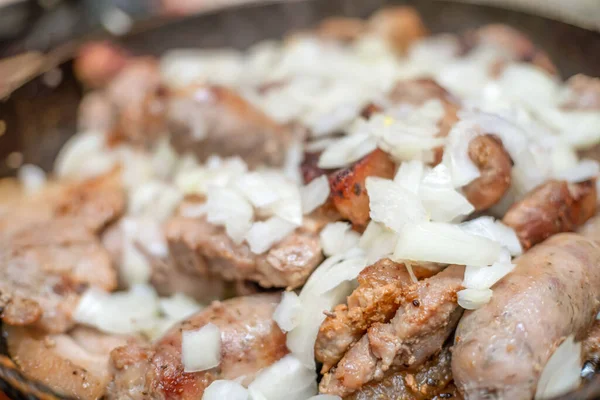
(38, 117)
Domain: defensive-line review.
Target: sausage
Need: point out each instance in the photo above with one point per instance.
(495, 166)
(501, 348)
(553, 207)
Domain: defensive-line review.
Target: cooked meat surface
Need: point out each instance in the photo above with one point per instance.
(591, 344)
(210, 120)
(401, 26)
(495, 167)
(197, 244)
(378, 296)
(427, 316)
(553, 207)
(434, 378)
(584, 93)
(348, 188)
(75, 365)
(501, 348)
(341, 29)
(250, 341)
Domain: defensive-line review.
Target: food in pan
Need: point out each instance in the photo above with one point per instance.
(358, 211)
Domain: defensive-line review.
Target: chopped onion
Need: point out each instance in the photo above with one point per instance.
(378, 241)
(337, 238)
(442, 202)
(562, 371)
(409, 175)
(485, 277)
(287, 379)
(223, 389)
(32, 178)
(288, 311)
(257, 189)
(154, 198)
(83, 156)
(346, 150)
(444, 243)
(456, 153)
(179, 306)
(393, 205)
(201, 349)
(119, 313)
(227, 207)
(584, 170)
(472, 299)
(496, 231)
(135, 267)
(314, 194)
(264, 234)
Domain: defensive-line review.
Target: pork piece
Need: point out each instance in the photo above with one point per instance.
(495, 167)
(434, 378)
(427, 316)
(210, 120)
(348, 186)
(45, 269)
(198, 245)
(97, 63)
(74, 365)
(514, 43)
(400, 26)
(94, 203)
(250, 341)
(501, 348)
(591, 344)
(378, 296)
(553, 207)
(342, 29)
(584, 94)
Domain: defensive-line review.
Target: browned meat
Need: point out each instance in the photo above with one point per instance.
(95, 202)
(348, 190)
(210, 120)
(426, 318)
(591, 344)
(495, 167)
(501, 348)
(434, 378)
(44, 271)
(310, 169)
(98, 62)
(378, 296)
(585, 93)
(250, 341)
(198, 245)
(513, 42)
(553, 207)
(341, 29)
(75, 365)
(401, 26)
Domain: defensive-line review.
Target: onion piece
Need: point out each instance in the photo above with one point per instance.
(346, 150)
(179, 306)
(442, 202)
(201, 349)
(444, 243)
(496, 231)
(314, 194)
(472, 299)
(378, 242)
(264, 234)
(32, 178)
(287, 379)
(256, 189)
(393, 205)
(224, 389)
(582, 171)
(409, 175)
(485, 277)
(227, 207)
(337, 238)
(562, 371)
(287, 313)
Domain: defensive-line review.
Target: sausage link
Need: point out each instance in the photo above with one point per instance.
(500, 349)
(495, 166)
(553, 207)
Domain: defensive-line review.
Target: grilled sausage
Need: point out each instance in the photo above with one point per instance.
(495, 166)
(501, 348)
(553, 207)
